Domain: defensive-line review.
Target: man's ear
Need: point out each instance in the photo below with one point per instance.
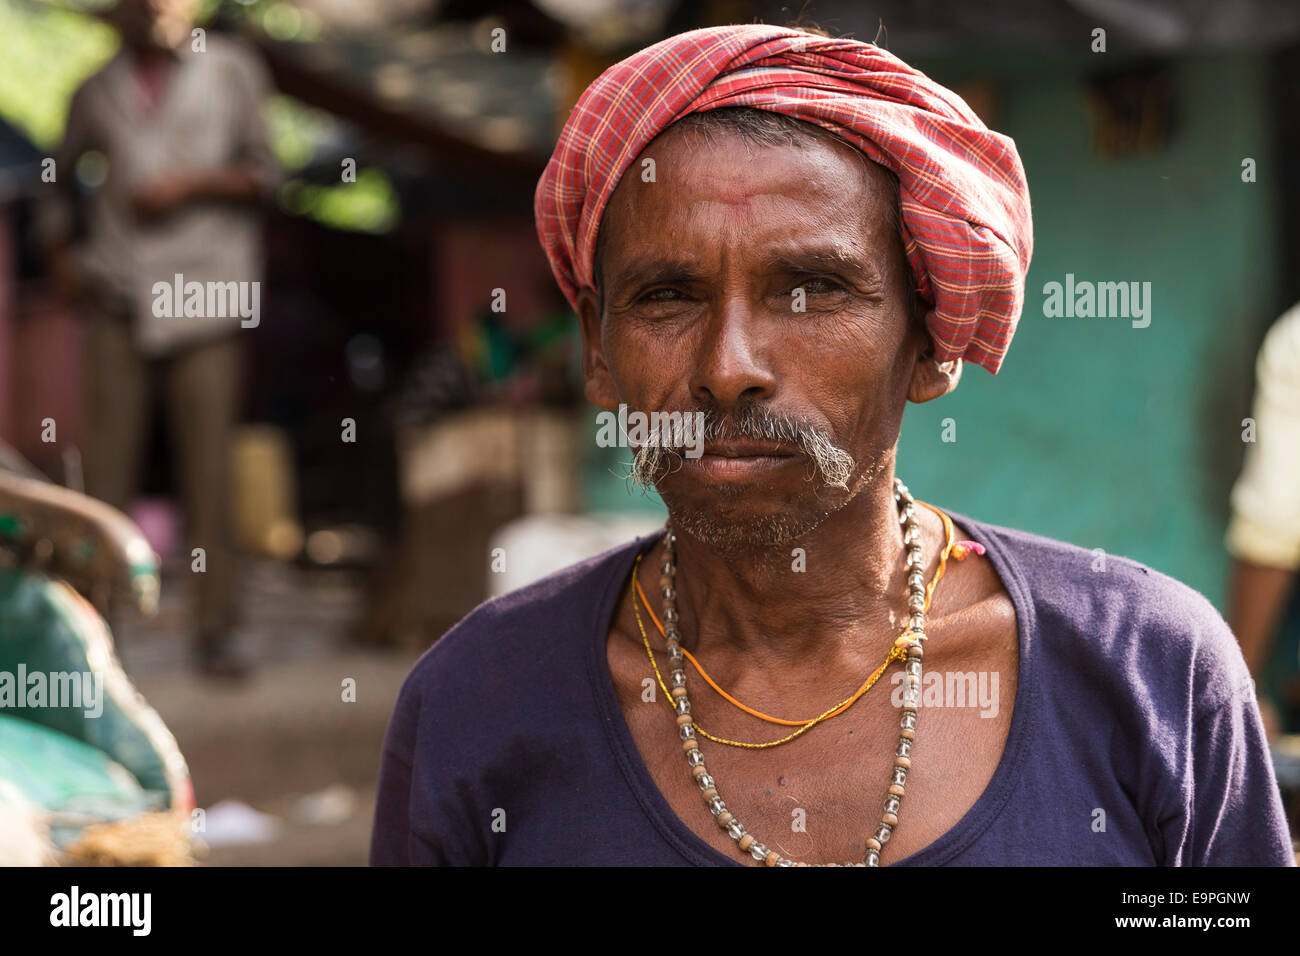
(597, 383)
(930, 380)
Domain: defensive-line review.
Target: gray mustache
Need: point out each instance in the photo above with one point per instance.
(652, 463)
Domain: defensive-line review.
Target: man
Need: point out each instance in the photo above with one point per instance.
(794, 236)
(1264, 534)
(177, 119)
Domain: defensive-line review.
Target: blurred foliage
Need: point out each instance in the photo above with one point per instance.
(368, 205)
(297, 131)
(48, 50)
(302, 134)
(277, 19)
(284, 21)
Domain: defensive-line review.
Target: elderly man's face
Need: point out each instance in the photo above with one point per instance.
(701, 270)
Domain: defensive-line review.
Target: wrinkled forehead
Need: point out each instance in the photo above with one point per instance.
(692, 179)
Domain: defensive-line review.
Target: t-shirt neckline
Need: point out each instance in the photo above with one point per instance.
(952, 842)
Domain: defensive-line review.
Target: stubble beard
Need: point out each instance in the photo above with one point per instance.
(831, 483)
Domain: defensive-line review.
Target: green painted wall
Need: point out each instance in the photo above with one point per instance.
(1095, 432)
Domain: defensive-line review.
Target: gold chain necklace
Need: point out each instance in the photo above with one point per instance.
(896, 652)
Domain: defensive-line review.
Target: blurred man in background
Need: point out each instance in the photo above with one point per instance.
(1264, 535)
(175, 120)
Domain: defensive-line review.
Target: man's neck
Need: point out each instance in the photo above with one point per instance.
(848, 584)
(151, 57)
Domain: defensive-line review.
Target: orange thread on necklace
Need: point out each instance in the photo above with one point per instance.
(897, 652)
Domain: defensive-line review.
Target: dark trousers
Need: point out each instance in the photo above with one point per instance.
(200, 386)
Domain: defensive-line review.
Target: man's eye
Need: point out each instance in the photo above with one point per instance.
(819, 285)
(661, 295)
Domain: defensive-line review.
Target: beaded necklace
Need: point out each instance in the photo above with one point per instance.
(896, 652)
(910, 643)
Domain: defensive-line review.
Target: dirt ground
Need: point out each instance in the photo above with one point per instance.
(285, 743)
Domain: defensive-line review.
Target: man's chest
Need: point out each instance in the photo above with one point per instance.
(818, 797)
(189, 121)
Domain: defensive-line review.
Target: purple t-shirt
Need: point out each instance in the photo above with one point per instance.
(508, 745)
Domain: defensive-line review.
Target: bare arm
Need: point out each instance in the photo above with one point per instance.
(234, 183)
(237, 183)
(1257, 596)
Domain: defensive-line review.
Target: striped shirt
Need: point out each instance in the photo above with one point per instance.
(204, 116)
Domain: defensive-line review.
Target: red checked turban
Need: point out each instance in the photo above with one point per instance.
(965, 205)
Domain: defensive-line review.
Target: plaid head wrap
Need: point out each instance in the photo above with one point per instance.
(965, 205)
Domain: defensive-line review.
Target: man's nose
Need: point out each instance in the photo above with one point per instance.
(733, 359)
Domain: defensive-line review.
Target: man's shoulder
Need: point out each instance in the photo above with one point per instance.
(101, 80)
(230, 56)
(1280, 352)
(1072, 570)
(233, 47)
(1120, 614)
(518, 635)
(224, 53)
